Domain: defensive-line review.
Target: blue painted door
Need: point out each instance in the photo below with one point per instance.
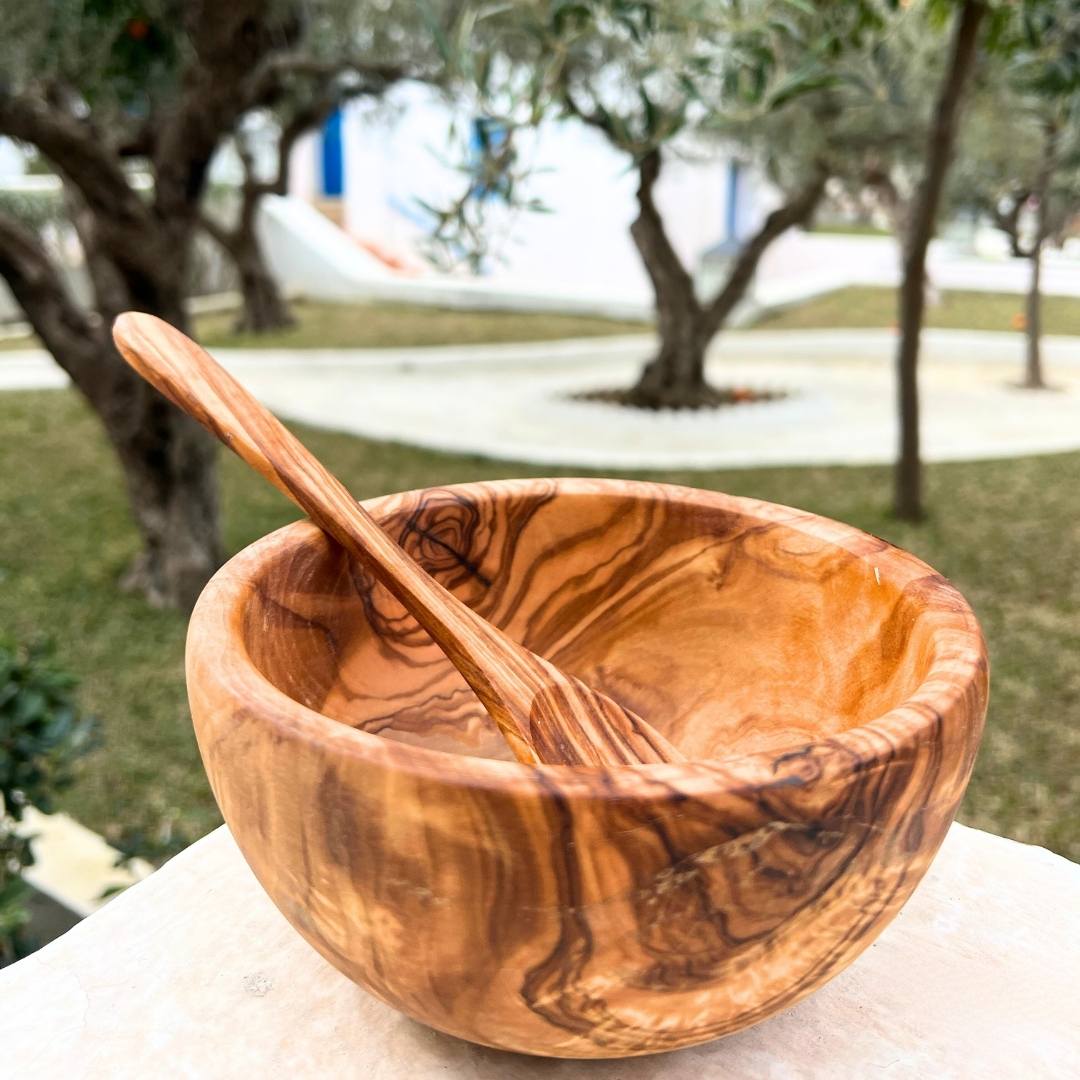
(333, 162)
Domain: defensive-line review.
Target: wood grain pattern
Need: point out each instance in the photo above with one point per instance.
(828, 689)
(544, 714)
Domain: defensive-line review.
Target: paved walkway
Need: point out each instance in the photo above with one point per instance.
(510, 401)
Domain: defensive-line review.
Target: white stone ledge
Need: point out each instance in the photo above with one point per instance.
(73, 866)
(194, 973)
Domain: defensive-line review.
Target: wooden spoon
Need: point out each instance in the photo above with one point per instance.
(544, 714)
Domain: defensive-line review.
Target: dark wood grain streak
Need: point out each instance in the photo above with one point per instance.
(542, 713)
(827, 689)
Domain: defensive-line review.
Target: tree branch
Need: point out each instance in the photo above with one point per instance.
(229, 41)
(311, 114)
(39, 288)
(308, 115)
(239, 64)
(796, 211)
(215, 230)
(1008, 221)
(665, 269)
(271, 76)
(76, 151)
(593, 118)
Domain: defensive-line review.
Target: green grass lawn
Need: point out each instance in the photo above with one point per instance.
(1008, 533)
(328, 326)
(355, 326)
(957, 310)
(849, 228)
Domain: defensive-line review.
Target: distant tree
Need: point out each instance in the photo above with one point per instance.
(657, 78)
(264, 307)
(263, 304)
(883, 134)
(349, 52)
(967, 20)
(1020, 157)
(997, 156)
(897, 148)
(101, 88)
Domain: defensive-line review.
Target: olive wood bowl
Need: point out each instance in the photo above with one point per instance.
(828, 690)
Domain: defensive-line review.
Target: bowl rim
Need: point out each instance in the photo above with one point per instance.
(216, 653)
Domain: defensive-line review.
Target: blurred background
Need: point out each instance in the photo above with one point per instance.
(825, 254)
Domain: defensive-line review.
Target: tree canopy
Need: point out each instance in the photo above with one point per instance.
(106, 89)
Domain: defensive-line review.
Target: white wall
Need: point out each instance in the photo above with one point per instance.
(12, 160)
(400, 150)
(304, 168)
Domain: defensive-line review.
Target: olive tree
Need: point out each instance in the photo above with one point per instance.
(263, 306)
(992, 30)
(105, 90)
(350, 51)
(655, 79)
(1019, 159)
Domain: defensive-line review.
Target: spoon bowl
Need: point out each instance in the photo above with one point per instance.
(827, 690)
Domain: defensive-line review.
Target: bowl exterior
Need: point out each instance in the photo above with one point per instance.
(581, 913)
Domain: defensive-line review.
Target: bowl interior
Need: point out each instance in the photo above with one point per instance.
(730, 626)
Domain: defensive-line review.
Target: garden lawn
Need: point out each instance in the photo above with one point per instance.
(362, 326)
(863, 307)
(333, 326)
(849, 228)
(1008, 533)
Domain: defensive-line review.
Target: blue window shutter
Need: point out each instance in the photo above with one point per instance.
(731, 215)
(333, 163)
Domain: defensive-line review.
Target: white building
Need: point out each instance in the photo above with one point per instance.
(375, 165)
(378, 163)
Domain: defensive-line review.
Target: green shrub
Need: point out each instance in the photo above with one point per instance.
(41, 735)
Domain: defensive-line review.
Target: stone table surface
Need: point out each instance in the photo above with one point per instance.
(194, 973)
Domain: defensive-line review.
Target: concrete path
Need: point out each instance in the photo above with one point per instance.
(510, 401)
(800, 265)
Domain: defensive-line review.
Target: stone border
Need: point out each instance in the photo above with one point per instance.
(74, 865)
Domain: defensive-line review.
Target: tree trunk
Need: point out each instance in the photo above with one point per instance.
(908, 494)
(170, 473)
(138, 247)
(168, 461)
(265, 308)
(169, 466)
(675, 377)
(171, 481)
(1033, 374)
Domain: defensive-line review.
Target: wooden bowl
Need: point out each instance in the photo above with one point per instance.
(829, 690)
